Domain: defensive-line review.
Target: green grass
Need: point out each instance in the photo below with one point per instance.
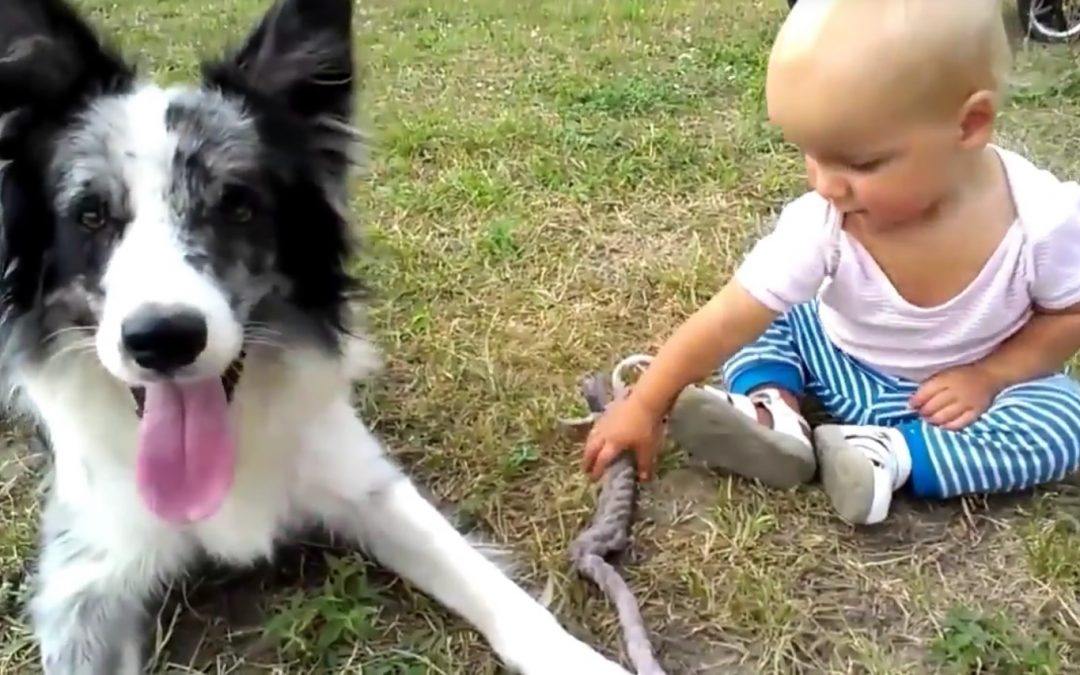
(970, 642)
(554, 185)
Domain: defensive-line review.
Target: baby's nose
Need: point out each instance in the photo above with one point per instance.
(829, 185)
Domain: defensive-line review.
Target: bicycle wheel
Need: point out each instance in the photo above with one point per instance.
(1049, 20)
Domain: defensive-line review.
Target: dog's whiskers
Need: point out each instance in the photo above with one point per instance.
(75, 347)
(264, 335)
(261, 326)
(68, 330)
(265, 342)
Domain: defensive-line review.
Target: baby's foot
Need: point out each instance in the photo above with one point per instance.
(757, 436)
(861, 467)
(729, 432)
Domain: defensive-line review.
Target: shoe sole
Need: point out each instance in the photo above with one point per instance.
(715, 433)
(847, 476)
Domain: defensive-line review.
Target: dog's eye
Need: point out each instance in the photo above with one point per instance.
(238, 205)
(92, 213)
(241, 213)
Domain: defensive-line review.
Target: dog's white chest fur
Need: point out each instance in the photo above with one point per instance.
(304, 457)
(284, 402)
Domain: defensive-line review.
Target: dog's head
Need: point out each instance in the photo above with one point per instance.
(172, 224)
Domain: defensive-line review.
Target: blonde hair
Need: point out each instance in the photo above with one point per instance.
(930, 55)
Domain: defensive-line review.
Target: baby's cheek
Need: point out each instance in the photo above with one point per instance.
(895, 201)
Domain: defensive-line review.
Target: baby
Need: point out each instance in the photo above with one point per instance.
(926, 292)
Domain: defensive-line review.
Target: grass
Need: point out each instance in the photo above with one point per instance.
(555, 185)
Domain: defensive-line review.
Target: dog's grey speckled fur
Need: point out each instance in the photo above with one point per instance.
(153, 238)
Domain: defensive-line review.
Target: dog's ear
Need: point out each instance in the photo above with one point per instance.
(295, 75)
(50, 57)
(298, 56)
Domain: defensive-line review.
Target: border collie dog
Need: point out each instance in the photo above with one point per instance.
(174, 316)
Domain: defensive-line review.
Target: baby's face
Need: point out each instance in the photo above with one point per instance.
(865, 152)
(885, 134)
(887, 178)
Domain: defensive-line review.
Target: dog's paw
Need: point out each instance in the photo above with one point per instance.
(578, 658)
(561, 655)
(585, 661)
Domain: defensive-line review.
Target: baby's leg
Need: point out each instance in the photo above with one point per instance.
(1030, 436)
(755, 429)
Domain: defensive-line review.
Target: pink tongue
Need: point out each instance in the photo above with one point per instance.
(186, 451)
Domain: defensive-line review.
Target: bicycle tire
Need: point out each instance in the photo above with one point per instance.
(1049, 13)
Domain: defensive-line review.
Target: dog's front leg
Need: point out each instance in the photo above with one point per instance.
(88, 607)
(361, 494)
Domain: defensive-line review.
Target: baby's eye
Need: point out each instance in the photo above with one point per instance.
(867, 166)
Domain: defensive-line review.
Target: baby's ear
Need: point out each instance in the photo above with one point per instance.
(977, 119)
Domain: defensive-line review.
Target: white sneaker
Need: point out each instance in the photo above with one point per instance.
(722, 431)
(861, 468)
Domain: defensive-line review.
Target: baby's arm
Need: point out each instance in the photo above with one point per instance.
(784, 268)
(1052, 336)
(731, 319)
(956, 397)
(1041, 348)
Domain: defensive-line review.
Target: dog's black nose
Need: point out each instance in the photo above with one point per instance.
(164, 338)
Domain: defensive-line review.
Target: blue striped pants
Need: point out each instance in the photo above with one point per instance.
(1030, 435)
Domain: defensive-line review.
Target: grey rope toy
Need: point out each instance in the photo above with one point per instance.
(609, 531)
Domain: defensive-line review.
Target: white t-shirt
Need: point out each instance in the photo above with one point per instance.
(809, 255)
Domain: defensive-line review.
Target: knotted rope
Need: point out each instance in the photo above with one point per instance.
(609, 531)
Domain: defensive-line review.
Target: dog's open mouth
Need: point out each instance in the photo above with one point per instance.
(228, 383)
(186, 451)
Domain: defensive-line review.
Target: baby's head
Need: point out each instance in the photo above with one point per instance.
(890, 100)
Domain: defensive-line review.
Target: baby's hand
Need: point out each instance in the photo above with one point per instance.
(626, 424)
(954, 398)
